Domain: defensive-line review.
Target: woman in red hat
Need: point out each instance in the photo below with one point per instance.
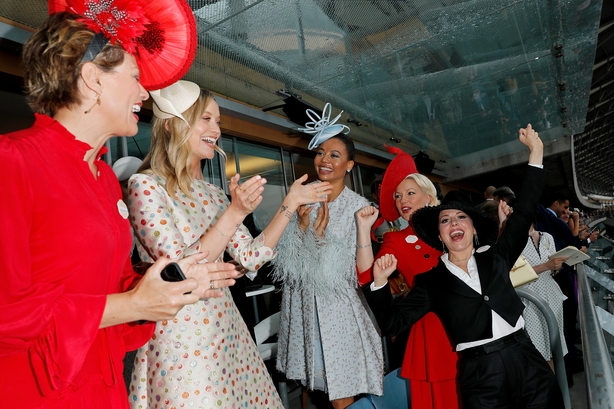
(429, 361)
(69, 297)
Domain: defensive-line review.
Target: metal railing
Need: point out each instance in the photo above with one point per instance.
(555, 340)
(597, 365)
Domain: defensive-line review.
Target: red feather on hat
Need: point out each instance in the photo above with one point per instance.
(160, 34)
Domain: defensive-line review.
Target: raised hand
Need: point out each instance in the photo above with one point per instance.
(247, 196)
(366, 216)
(527, 136)
(504, 211)
(383, 267)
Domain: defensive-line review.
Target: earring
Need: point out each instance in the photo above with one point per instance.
(443, 246)
(96, 103)
(475, 240)
(349, 170)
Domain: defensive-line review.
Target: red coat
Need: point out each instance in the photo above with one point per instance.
(429, 355)
(64, 247)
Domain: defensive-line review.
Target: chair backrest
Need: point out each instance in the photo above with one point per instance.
(263, 331)
(396, 392)
(266, 328)
(363, 403)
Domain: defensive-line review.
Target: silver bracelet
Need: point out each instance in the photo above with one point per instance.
(221, 232)
(358, 246)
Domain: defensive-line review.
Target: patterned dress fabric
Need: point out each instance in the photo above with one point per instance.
(327, 337)
(205, 357)
(549, 290)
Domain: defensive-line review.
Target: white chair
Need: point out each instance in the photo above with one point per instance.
(264, 330)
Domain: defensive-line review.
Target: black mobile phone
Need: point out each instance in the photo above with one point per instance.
(172, 272)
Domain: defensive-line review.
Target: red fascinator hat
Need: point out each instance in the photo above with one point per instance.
(160, 34)
(398, 169)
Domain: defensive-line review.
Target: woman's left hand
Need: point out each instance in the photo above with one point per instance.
(366, 216)
(247, 196)
(505, 211)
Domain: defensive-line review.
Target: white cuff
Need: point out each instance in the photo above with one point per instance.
(374, 288)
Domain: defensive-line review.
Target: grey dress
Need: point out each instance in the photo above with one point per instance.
(327, 338)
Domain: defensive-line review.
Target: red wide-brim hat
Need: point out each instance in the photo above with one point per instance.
(161, 34)
(399, 168)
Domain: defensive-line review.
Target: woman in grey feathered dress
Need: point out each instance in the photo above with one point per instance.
(327, 338)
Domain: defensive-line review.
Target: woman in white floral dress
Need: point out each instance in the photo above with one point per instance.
(205, 357)
(327, 339)
(540, 246)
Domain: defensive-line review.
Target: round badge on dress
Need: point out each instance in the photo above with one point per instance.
(482, 249)
(418, 247)
(411, 238)
(123, 209)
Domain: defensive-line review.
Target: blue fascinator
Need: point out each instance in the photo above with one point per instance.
(323, 128)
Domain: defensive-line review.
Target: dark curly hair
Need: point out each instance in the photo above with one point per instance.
(52, 62)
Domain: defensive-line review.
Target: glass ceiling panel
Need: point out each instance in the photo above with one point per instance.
(452, 78)
(455, 78)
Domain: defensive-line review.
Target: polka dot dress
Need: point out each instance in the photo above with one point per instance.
(205, 357)
(549, 290)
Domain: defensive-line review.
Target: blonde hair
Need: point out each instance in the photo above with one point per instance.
(52, 63)
(427, 187)
(170, 152)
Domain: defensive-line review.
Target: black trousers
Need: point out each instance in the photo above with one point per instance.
(508, 374)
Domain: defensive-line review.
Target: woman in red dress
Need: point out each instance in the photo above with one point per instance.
(69, 298)
(430, 360)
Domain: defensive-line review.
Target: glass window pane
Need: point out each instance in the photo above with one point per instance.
(368, 176)
(266, 162)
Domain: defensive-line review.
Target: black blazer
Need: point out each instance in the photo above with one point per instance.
(465, 314)
(560, 231)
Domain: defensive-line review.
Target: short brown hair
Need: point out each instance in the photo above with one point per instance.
(52, 62)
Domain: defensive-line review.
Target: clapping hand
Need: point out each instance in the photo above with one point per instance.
(312, 193)
(247, 196)
(321, 221)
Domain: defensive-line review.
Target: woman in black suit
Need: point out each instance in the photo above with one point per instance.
(471, 292)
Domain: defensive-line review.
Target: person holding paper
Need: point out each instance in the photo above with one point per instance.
(538, 250)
